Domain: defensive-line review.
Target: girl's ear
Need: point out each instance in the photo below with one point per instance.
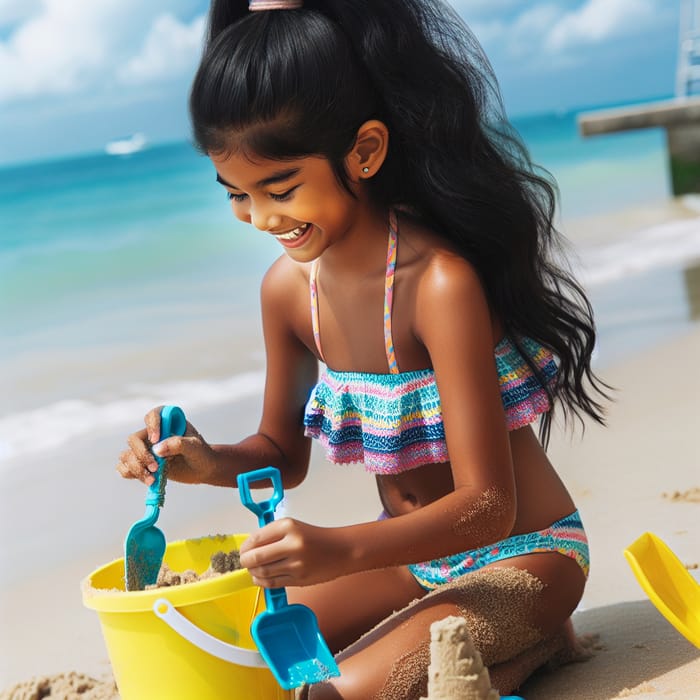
(369, 151)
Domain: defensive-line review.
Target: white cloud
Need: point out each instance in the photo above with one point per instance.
(53, 51)
(72, 46)
(171, 48)
(14, 11)
(530, 27)
(600, 20)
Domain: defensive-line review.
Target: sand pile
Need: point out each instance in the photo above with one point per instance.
(221, 563)
(456, 671)
(64, 686)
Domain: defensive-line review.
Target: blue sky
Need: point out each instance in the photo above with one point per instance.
(75, 73)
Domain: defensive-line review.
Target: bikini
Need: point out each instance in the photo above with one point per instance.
(393, 423)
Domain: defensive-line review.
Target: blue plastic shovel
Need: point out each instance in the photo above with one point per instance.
(144, 546)
(287, 636)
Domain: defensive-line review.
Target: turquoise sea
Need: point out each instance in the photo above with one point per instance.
(125, 280)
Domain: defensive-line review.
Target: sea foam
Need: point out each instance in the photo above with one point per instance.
(51, 426)
(675, 243)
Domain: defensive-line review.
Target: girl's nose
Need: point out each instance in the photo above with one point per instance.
(263, 219)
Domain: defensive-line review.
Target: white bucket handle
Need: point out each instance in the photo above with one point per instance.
(203, 640)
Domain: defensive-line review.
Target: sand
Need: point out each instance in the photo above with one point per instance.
(642, 473)
(67, 686)
(221, 563)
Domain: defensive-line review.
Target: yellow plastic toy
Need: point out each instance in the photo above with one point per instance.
(669, 585)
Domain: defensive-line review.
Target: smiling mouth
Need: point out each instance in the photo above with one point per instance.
(295, 233)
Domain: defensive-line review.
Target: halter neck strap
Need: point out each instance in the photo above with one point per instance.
(391, 255)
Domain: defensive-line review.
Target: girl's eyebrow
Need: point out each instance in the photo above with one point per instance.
(279, 176)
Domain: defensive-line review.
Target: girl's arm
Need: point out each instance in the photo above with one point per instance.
(452, 320)
(279, 440)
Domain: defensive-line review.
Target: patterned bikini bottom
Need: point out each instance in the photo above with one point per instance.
(565, 536)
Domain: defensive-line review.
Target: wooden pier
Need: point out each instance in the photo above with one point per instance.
(681, 119)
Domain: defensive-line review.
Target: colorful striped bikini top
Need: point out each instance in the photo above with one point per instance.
(393, 422)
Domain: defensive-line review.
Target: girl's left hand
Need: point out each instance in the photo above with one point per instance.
(287, 552)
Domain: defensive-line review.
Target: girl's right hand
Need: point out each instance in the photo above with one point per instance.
(190, 458)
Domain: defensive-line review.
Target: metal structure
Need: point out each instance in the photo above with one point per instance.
(688, 73)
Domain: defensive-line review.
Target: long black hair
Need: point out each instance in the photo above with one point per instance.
(284, 84)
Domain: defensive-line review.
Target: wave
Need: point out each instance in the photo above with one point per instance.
(51, 426)
(664, 245)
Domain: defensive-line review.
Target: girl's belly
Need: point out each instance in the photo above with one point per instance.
(541, 496)
(408, 491)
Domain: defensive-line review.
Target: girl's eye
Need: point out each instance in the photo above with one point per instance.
(284, 195)
(235, 197)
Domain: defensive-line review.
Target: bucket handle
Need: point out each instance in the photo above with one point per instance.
(203, 640)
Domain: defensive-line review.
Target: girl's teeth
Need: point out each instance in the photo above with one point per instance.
(295, 233)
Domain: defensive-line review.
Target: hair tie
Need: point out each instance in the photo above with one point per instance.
(258, 5)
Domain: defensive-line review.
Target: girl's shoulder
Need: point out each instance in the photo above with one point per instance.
(432, 264)
(285, 299)
(286, 276)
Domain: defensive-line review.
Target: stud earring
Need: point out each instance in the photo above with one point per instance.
(365, 169)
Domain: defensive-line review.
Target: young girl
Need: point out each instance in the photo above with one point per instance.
(422, 268)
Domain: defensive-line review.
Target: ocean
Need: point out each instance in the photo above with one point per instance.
(126, 282)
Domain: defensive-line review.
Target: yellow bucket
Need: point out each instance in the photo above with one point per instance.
(184, 642)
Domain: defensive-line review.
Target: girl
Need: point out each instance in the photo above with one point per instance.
(420, 267)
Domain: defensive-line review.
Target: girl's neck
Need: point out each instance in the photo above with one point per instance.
(362, 250)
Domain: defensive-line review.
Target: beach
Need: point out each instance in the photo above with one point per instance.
(83, 363)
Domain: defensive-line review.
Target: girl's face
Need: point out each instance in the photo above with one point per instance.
(299, 202)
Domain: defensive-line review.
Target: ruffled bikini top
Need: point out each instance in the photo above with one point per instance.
(393, 422)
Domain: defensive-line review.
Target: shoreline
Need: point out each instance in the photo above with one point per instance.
(205, 358)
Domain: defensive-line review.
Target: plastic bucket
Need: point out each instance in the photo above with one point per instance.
(184, 642)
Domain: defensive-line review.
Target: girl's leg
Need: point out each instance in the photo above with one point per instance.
(348, 607)
(516, 611)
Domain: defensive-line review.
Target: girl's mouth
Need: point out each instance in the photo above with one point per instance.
(295, 237)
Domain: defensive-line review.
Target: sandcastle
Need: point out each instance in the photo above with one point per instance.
(456, 671)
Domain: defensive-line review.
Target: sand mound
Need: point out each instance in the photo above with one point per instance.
(66, 686)
(221, 563)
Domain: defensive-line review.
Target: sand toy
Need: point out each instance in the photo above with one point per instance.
(669, 585)
(145, 543)
(287, 636)
(456, 671)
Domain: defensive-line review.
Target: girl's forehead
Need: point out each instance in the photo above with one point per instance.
(239, 169)
(245, 161)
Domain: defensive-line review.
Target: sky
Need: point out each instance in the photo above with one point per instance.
(75, 74)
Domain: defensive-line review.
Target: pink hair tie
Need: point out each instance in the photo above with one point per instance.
(256, 5)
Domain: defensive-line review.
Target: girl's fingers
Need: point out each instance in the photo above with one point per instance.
(271, 559)
(171, 446)
(152, 421)
(141, 451)
(130, 468)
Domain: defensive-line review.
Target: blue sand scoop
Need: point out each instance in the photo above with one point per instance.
(287, 636)
(144, 546)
